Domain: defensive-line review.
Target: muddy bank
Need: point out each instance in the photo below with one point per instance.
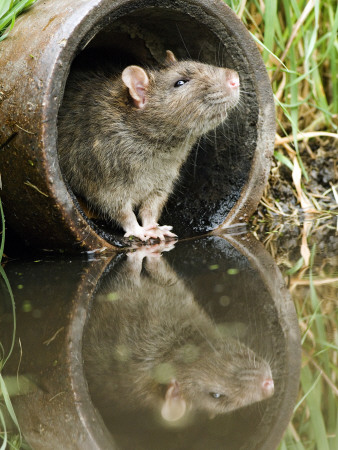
(319, 157)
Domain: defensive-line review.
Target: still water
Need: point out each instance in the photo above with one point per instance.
(191, 345)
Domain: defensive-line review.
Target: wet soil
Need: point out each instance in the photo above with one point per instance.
(320, 160)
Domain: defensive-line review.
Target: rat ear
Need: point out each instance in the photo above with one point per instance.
(170, 58)
(174, 405)
(137, 81)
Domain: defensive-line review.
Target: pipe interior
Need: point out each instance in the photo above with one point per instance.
(218, 167)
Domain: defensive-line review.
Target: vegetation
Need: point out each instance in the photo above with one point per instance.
(9, 10)
(315, 420)
(314, 288)
(298, 40)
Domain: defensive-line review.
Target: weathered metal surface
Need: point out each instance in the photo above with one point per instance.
(224, 178)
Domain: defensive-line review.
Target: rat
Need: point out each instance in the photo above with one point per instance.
(123, 138)
(148, 344)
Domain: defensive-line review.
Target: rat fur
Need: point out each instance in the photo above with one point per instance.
(123, 138)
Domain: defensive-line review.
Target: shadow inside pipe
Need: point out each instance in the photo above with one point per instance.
(178, 350)
(217, 170)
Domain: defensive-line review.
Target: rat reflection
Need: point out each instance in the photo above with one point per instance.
(150, 345)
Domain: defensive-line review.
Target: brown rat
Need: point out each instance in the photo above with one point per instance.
(123, 138)
(149, 344)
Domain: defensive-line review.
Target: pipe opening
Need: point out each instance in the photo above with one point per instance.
(218, 168)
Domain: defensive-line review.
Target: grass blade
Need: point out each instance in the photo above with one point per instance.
(9, 289)
(8, 403)
(2, 244)
(299, 264)
(3, 434)
(313, 390)
(283, 159)
(16, 9)
(270, 16)
(6, 4)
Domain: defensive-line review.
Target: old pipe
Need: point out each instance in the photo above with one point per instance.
(222, 181)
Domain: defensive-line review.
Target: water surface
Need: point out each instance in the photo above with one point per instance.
(143, 351)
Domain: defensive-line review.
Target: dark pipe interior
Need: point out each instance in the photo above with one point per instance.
(218, 168)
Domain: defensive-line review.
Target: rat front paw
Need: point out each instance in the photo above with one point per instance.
(140, 233)
(144, 234)
(153, 231)
(161, 232)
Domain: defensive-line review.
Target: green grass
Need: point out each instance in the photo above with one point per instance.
(314, 425)
(300, 43)
(298, 39)
(314, 288)
(9, 10)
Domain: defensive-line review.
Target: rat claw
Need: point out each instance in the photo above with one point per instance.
(169, 234)
(166, 231)
(166, 227)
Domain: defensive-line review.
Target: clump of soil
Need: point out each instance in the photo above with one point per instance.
(320, 160)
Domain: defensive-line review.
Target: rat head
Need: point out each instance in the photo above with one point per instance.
(184, 97)
(217, 380)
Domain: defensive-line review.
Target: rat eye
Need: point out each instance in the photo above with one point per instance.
(180, 83)
(216, 395)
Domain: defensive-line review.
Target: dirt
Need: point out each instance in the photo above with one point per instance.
(320, 159)
(280, 222)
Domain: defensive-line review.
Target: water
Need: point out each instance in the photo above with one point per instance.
(153, 352)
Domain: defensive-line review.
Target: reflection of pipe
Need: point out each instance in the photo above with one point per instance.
(229, 179)
(60, 300)
(272, 278)
(270, 303)
(57, 411)
(165, 353)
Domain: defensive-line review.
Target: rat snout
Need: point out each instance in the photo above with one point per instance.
(231, 89)
(233, 80)
(268, 388)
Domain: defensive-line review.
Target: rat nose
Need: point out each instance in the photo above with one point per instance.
(234, 81)
(268, 387)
